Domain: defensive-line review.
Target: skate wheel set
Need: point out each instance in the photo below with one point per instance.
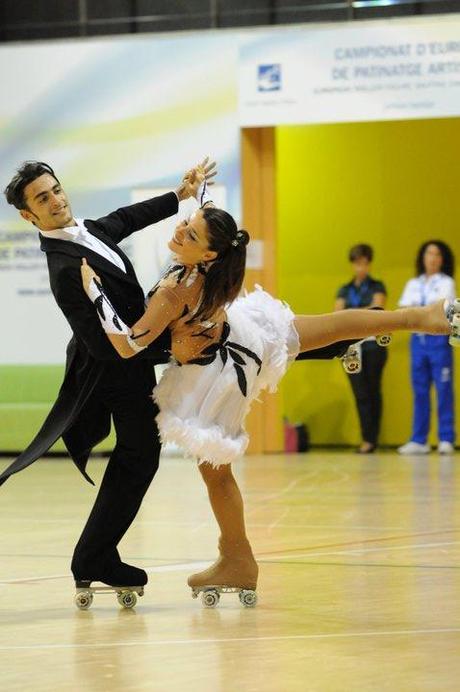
(352, 360)
(210, 595)
(126, 595)
(454, 321)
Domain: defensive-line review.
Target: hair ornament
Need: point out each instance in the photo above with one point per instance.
(238, 239)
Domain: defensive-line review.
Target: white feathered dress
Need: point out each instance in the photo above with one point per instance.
(203, 404)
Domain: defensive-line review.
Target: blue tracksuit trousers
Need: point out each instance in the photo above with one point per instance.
(432, 362)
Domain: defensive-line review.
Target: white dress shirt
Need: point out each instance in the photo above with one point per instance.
(79, 234)
(425, 290)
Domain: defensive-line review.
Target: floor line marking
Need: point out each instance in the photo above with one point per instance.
(27, 580)
(270, 558)
(160, 522)
(171, 567)
(261, 501)
(359, 551)
(372, 540)
(388, 565)
(278, 521)
(231, 640)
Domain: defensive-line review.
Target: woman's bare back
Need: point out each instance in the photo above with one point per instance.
(183, 286)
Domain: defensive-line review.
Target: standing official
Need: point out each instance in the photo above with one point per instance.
(431, 355)
(365, 292)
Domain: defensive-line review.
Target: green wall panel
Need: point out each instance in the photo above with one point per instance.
(27, 393)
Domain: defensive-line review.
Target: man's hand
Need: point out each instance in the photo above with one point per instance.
(194, 177)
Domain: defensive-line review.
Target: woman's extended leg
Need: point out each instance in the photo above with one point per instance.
(236, 565)
(320, 330)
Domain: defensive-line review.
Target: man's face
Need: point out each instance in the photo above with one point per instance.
(47, 204)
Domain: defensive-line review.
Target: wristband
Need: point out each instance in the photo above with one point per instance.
(110, 321)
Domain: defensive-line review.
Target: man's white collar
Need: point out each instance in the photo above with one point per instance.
(69, 231)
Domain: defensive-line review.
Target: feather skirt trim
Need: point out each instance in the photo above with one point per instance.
(202, 444)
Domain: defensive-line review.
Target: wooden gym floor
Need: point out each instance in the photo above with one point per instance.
(359, 584)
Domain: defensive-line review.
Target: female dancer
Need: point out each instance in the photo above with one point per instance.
(224, 350)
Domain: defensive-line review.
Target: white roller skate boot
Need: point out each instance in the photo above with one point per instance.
(352, 359)
(452, 310)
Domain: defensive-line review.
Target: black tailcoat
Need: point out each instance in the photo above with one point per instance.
(77, 416)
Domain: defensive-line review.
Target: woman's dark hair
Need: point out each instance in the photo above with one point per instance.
(27, 173)
(448, 259)
(359, 251)
(224, 277)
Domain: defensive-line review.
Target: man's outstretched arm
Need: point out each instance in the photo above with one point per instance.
(126, 220)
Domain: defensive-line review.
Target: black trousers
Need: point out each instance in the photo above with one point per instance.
(366, 387)
(126, 392)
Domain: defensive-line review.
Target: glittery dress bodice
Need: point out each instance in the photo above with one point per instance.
(178, 295)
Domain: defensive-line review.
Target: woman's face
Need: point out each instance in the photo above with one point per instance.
(190, 240)
(432, 259)
(361, 267)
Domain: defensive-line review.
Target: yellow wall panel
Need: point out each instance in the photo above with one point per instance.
(390, 184)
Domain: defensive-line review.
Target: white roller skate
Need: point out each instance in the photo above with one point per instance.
(126, 595)
(452, 310)
(352, 359)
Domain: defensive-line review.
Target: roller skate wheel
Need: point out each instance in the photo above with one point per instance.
(83, 600)
(210, 599)
(383, 339)
(248, 598)
(127, 599)
(352, 366)
(456, 305)
(454, 338)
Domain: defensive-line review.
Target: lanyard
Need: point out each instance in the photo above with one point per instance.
(425, 287)
(355, 294)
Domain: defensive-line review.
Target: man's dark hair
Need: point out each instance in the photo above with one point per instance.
(359, 251)
(448, 259)
(27, 173)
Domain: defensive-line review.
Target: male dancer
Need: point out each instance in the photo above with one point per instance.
(98, 384)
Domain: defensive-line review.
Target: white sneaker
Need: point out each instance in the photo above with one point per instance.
(445, 447)
(414, 448)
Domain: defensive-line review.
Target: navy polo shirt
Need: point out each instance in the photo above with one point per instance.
(361, 296)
